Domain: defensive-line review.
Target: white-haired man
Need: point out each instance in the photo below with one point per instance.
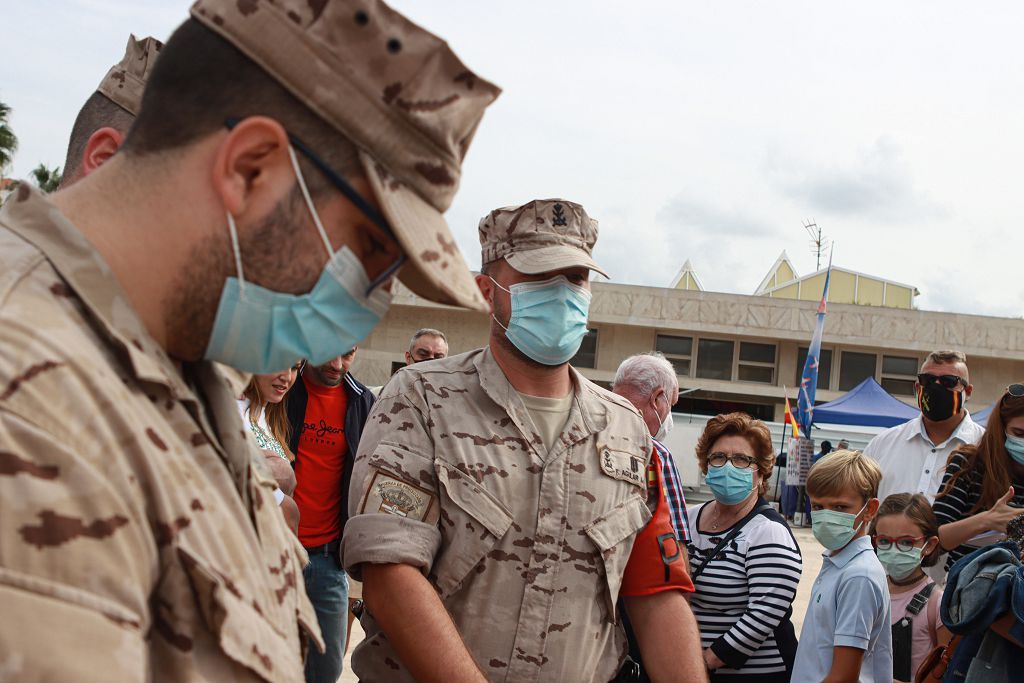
(649, 382)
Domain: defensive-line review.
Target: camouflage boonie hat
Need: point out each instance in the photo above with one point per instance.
(397, 92)
(543, 235)
(125, 81)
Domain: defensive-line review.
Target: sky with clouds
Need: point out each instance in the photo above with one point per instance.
(701, 131)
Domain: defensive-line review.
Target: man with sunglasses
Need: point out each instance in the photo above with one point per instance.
(287, 159)
(913, 455)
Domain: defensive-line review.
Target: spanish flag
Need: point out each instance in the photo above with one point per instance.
(790, 419)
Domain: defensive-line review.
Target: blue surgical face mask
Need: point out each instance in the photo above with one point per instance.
(1015, 447)
(834, 529)
(730, 485)
(261, 331)
(549, 319)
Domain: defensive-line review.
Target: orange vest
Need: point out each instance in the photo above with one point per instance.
(656, 561)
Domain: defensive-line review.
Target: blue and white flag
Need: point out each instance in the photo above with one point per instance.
(809, 378)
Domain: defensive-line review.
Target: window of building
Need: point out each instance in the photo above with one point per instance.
(714, 359)
(855, 367)
(824, 368)
(678, 351)
(899, 373)
(756, 363)
(586, 357)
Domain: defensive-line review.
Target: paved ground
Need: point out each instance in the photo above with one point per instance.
(809, 547)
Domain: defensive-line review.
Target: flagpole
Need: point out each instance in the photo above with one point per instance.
(782, 445)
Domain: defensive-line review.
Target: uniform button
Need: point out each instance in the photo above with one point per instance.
(933, 450)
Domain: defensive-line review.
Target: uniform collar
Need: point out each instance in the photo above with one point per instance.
(852, 550)
(33, 218)
(589, 413)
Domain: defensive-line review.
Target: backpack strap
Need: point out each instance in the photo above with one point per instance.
(919, 600)
(759, 509)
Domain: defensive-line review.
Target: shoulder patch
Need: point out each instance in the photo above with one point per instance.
(391, 496)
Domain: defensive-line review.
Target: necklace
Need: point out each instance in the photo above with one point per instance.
(717, 521)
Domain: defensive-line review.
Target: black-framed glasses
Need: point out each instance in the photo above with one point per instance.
(1015, 390)
(352, 195)
(740, 461)
(948, 381)
(904, 544)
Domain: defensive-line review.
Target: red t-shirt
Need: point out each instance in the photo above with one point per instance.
(319, 464)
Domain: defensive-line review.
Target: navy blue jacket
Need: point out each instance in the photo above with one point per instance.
(360, 400)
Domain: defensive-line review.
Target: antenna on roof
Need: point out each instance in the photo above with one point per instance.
(819, 243)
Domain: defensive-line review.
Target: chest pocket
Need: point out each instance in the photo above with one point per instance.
(237, 623)
(472, 523)
(613, 534)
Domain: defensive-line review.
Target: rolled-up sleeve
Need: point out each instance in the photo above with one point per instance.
(860, 604)
(393, 499)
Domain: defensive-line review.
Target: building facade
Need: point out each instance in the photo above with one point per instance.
(737, 352)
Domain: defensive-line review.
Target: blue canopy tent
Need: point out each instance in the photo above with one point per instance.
(981, 417)
(866, 405)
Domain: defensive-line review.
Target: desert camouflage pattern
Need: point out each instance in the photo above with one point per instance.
(526, 548)
(126, 80)
(139, 538)
(540, 236)
(395, 90)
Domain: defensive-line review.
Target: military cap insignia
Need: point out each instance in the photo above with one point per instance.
(559, 216)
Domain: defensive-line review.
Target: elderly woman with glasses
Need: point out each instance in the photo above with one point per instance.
(745, 563)
(983, 488)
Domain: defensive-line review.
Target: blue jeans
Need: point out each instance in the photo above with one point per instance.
(327, 588)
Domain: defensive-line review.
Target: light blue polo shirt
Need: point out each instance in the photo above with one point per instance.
(849, 606)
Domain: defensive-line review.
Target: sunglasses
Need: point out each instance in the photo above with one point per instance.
(948, 381)
(1015, 390)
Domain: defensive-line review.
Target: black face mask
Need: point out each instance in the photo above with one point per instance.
(938, 403)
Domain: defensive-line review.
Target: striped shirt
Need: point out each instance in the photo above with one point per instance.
(673, 492)
(745, 593)
(958, 503)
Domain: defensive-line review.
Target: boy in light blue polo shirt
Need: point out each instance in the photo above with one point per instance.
(846, 634)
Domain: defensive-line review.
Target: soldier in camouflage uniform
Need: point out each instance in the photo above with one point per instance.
(138, 535)
(498, 496)
(104, 119)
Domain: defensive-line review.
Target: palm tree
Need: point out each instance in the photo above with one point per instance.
(47, 179)
(8, 140)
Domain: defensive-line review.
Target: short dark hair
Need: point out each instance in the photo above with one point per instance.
(919, 511)
(201, 80)
(99, 111)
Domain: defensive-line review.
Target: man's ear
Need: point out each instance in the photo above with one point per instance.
(968, 391)
(100, 146)
(486, 289)
(252, 169)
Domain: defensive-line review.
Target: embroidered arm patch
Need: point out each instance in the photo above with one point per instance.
(395, 497)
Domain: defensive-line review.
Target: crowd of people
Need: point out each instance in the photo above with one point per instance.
(195, 486)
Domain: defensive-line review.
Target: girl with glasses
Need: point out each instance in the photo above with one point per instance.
(905, 536)
(983, 488)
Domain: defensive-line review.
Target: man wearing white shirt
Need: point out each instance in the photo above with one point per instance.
(913, 455)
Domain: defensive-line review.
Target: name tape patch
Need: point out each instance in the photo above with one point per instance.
(624, 466)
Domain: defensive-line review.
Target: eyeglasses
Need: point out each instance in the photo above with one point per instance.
(948, 381)
(739, 460)
(904, 544)
(352, 195)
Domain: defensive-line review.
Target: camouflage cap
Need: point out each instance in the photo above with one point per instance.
(541, 236)
(125, 81)
(397, 92)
